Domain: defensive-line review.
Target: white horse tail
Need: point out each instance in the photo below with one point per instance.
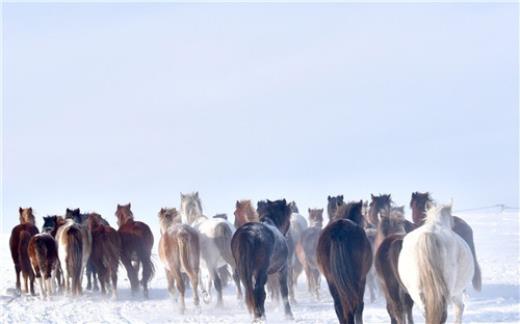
(183, 240)
(431, 279)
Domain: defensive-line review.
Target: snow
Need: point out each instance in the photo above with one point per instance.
(496, 237)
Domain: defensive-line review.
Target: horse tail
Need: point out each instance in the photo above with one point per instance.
(74, 257)
(42, 256)
(243, 252)
(145, 254)
(223, 236)
(23, 253)
(183, 240)
(431, 278)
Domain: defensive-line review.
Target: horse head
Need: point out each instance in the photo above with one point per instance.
(244, 213)
(419, 203)
(277, 212)
(26, 215)
(191, 207)
(332, 205)
(74, 214)
(379, 207)
(316, 217)
(167, 217)
(124, 214)
(352, 211)
(293, 207)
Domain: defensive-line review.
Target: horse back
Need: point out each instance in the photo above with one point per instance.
(20, 234)
(136, 235)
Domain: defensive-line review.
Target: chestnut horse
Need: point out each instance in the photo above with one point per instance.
(179, 253)
(244, 213)
(420, 202)
(136, 244)
(306, 250)
(106, 250)
(18, 243)
(344, 256)
(261, 249)
(390, 232)
(43, 253)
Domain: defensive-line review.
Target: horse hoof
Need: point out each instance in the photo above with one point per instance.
(289, 317)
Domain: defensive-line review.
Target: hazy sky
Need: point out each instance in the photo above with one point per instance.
(105, 104)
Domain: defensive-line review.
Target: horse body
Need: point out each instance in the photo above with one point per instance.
(70, 253)
(344, 256)
(43, 253)
(18, 243)
(420, 202)
(435, 265)
(81, 220)
(179, 252)
(136, 244)
(215, 245)
(260, 249)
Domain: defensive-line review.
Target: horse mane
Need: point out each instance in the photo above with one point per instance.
(440, 215)
(351, 211)
(277, 212)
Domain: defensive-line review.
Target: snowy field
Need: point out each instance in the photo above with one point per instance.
(496, 239)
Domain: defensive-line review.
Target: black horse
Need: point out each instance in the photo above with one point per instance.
(260, 249)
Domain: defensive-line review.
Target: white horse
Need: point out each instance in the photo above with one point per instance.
(215, 245)
(435, 265)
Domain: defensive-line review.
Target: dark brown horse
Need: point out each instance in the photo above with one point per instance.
(390, 232)
(332, 206)
(19, 243)
(106, 250)
(344, 256)
(420, 202)
(136, 244)
(306, 250)
(379, 206)
(261, 249)
(43, 253)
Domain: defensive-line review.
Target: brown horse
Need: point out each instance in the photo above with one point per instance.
(43, 253)
(344, 256)
(50, 226)
(261, 249)
(136, 244)
(332, 206)
(244, 213)
(179, 252)
(379, 206)
(390, 232)
(420, 202)
(18, 243)
(306, 250)
(106, 250)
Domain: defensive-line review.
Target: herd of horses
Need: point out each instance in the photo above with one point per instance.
(427, 262)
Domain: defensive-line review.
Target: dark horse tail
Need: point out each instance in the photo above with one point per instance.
(74, 257)
(23, 254)
(243, 250)
(144, 252)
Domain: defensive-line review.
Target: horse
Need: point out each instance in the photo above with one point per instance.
(244, 213)
(435, 265)
(136, 244)
(50, 226)
(344, 256)
(420, 202)
(390, 232)
(179, 253)
(260, 249)
(306, 250)
(105, 254)
(43, 254)
(81, 219)
(215, 251)
(298, 225)
(332, 205)
(71, 246)
(21, 234)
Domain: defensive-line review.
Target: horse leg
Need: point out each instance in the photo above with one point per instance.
(89, 276)
(408, 306)
(259, 294)
(31, 283)
(18, 284)
(361, 305)
(132, 275)
(236, 278)
(337, 303)
(147, 272)
(218, 286)
(25, 282)
(181, 288)
(283, 278)
(290, 284)
(41, 283)
(316, 276)
(459, 308)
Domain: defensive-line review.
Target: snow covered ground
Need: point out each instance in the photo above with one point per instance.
(496, 237)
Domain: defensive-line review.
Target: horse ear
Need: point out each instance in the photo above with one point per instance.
(197, 194)
(129, 205)
(309, 210)
(284, 201)
(341, 197)
(30, 210)
(328, 198)
(20, 210)
(76, 210)
(237, 204)
(372, 196)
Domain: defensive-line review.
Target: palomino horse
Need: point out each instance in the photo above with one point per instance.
(18, 243)
(70, 238)
(261, 249)
(77, 217)
(82, 219)
(332, 206)
(244, 213)
(43, 252)
(435, 265)
(306, 250)
(106, 250)
(179, 253)
(390, 232)
(419, 203)
(215, 250)
(136, 244)
(344, 256)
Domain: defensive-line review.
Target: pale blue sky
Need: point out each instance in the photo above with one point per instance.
(105, 104)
